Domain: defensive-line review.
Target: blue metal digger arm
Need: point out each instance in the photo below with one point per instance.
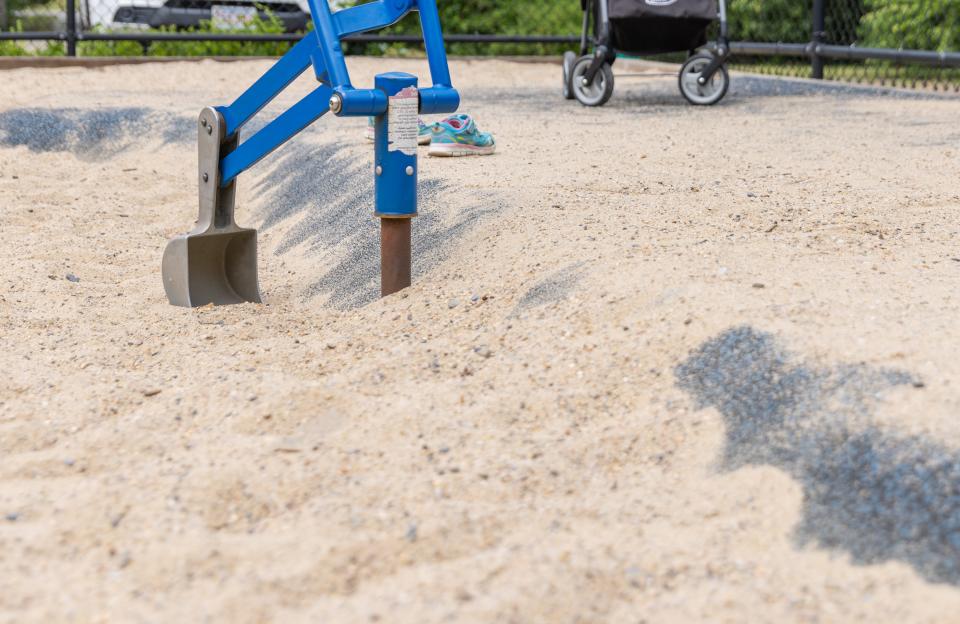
(322, 49)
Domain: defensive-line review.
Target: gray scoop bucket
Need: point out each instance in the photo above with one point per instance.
(216, 262)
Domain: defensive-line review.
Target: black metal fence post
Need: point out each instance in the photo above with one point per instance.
(71, 28)
(817, 37)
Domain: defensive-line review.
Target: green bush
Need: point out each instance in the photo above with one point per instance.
(13, 48)
(108, 48)
(36, 15)
(773, 21)
(911, 24)
(257, 26)
(267, 25)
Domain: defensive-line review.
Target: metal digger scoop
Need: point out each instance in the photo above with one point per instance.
(216, 262)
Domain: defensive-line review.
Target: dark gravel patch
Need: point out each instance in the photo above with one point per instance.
(746, 85)
(92, 133)
(330, 193)
(553, 288)
(876, 495)
(99, 133)
(648, 94)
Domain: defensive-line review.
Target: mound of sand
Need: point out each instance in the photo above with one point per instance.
(659, 363)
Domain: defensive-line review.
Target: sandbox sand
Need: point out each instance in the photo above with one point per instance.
(659, 364)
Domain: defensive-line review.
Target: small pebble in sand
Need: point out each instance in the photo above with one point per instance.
(452, 303)
(411, 534)
(291, 444)
(72, 278)
(12, 516)
(759, 285)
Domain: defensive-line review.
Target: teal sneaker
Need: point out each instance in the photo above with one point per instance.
(424, 131)
(458, 135)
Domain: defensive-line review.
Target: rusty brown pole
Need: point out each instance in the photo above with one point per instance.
(394, 254)
(395, 139)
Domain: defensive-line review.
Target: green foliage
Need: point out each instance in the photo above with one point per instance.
(13, 48)
(267, 25)
(108, 48)
(911, 24)
(20, 5)
(540, 17)
(257, 26)
(784, 21)
(37, 15)
(52, 48)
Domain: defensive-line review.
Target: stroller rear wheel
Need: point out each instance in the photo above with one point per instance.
(703, 94)
(596, 93)
(568, 60)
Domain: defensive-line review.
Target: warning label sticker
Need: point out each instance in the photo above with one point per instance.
(402, 125)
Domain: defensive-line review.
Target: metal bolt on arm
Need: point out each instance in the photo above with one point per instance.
(217, 261)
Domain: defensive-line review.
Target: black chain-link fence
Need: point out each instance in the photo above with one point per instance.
(911, 43)
(867, 41)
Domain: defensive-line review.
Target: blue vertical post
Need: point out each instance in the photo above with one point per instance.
(395, 175)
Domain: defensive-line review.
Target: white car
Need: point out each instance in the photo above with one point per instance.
(182, 14)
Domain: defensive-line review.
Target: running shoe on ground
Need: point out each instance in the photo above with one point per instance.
(423, 132)
(458, 135)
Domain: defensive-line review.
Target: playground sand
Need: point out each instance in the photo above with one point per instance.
(659, 363)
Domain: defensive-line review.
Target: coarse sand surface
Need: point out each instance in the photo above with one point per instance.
(659, 363)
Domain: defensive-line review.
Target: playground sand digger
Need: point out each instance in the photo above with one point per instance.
(658, 363)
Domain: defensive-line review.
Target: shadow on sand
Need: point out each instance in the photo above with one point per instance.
(877, 496)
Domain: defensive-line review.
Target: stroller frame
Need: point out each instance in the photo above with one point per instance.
(604, 52)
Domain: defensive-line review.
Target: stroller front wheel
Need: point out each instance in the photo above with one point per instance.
(712, 91)
(568, 60)
(597, 92)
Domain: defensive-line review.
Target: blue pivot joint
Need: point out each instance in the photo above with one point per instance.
(322, 49)
(395, 101)
(395, 147)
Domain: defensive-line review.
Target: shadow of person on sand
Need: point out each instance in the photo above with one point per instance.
(330, 195)
(877, 496)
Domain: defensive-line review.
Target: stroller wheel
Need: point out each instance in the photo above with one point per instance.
(703, 94)
(568, 59)
(599, 91)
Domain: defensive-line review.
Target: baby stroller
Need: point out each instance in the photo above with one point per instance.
(649, 27)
